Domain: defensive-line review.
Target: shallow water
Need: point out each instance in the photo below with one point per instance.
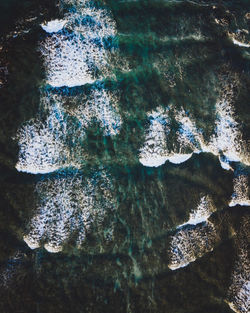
(124, 156)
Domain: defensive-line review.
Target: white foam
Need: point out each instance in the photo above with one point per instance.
(102, 106)
(228, 138)
(240, 303)
(52, 249)
(77, 56)
(225, 164)
(54, 141)
(187, 135)
(226, 143)
(42, 145)
(31, 243)
(40, 149)
(241, 191)
(203, 211)
(153, 161)
(68, 206)
(240, 202)
(241, 44)
(188, 138)
(189, 244)
(179, 158)
(239, 290)
(54, 26)
(68, 60)
(91, 22)
(154, 150)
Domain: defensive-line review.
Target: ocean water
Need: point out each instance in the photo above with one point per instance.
(124, 156)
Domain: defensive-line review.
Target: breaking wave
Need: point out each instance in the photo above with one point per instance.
(192, 242)
(153, 153)
(55, 139)
(74, 52)
(239, 290)
(188, 244)
(203, 211)
(67, 208)
(241, 191)
(73, 55)
(226, 142)
(54, 26)
(156, 147)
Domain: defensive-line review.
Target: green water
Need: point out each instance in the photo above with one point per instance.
(165, 53)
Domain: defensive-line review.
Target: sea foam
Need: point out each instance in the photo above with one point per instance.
(68, 206)
(76, 55)
(42, 147)
(188, 244)
(45, 143)
(153, 152)
(203, 211)
(101, 105)
(54, 140)
(226, 142)
(193, 241)
(239, 290)
(241, 192)
(54, 26)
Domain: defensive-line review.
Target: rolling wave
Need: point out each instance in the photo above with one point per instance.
(192, 242)
(67, 208)
(239, 290)
(74, 55)
(226, 142)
